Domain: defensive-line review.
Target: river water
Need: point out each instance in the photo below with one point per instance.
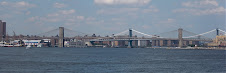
(111, 60)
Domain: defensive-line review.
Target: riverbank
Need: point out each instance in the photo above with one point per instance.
(213, 48)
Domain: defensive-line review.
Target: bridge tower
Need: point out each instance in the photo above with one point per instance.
(217, 31)
(130, 41)
(180, 30)
(61, 37)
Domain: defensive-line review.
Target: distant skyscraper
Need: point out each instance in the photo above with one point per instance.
(2, 30)
(1, 25)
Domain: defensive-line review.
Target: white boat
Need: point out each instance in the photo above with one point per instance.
(39, 45)
(28, 47)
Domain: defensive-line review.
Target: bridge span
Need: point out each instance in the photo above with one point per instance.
(161, 42)
(154, 40)
(130, 39)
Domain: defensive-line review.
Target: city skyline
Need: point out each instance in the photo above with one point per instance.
(106, 17)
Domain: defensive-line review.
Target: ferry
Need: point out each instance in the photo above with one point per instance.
(4, 44)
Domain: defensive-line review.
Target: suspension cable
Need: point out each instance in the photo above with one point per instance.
(201, 34)
(142, 33)
(42, 34)
(222, 31)
(121, 32)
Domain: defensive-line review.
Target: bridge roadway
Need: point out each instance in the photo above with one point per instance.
(123, 38)
(136, 39)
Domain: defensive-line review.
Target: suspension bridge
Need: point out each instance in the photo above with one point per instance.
(132, 37)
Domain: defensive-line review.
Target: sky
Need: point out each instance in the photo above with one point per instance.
(106, 17)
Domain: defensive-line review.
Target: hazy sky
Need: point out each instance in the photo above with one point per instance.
(106, 17)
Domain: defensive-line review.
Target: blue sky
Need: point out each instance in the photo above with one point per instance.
(105, 17)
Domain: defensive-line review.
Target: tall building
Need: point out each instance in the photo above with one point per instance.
(2, 30)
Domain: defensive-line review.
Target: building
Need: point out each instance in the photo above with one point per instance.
(74, 43)
(2, 30)
(219, 41)
(32, 42)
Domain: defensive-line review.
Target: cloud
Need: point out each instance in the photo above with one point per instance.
(67, 11)
(16, 5)
(5, 16)
(151, 9)
(90, 18)
(122, 2)
(146, 26)
(200, 4)
(170, 22)
(32, 19)
(59, 5)
(65, 17)
(97, 22)
(28, 13)
(128, 11)
(202, 7)
(218, 10)
(53, 14)
(118, 19)
(59, 16)
(23, 4)
(117, 10)
(12, 9)
(80, 17)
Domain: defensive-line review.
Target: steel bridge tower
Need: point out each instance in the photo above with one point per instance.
(130, 41)
(217, 31)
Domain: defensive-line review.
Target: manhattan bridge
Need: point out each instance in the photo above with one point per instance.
(132, 37)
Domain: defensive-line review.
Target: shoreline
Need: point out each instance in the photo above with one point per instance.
(207, 48)
(212, 48)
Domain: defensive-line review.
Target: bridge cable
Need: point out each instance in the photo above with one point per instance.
(142, 33)
(201, 34)
(222, 31)
(73, 32)
(44, 34)
(121, 33)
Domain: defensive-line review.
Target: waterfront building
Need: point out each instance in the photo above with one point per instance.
(74, 43)
(219, 41)
(32, 42)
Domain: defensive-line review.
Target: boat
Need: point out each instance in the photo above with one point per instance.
(28, 47)
(39, 45)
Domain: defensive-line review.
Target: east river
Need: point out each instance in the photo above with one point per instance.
(111, 60)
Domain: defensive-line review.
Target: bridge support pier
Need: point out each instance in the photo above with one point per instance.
(157, 43)
(130, 41)
(169, 43)
(161, 43)
(139, 43)
(190, 42)
(153, 43)
(61, 37)
(130, 44)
